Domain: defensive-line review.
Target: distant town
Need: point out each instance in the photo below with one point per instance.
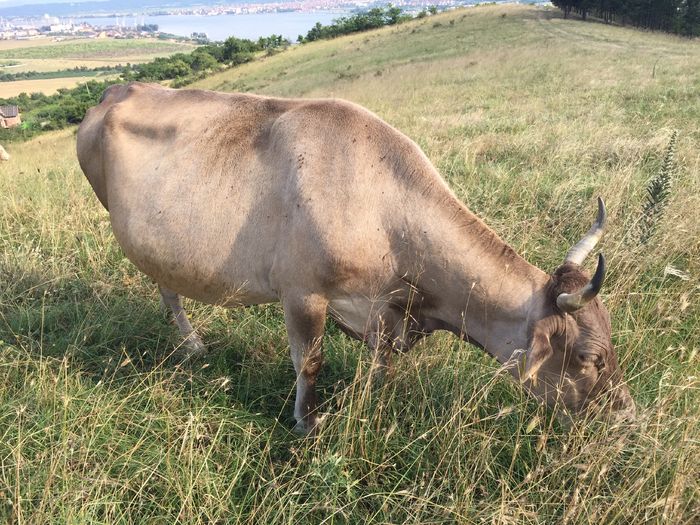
(132, 24)
(49, 26)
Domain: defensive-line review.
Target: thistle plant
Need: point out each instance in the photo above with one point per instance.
(658, 193)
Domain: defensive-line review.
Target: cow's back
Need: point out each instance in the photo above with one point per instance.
(233, 197)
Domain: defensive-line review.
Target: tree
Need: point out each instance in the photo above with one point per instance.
(691, 18)
(203, 61)
(393, 14)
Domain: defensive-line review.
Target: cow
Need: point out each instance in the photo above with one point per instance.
(238, 199)
(4, 155)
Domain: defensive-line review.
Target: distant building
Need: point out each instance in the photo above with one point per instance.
(61, 28)
(9, 116)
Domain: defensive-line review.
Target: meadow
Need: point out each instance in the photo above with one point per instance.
(93, 49)
(528, 117)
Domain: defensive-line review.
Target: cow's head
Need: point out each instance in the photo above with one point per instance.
(571, 358)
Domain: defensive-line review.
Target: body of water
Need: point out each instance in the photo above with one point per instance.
(220, 27)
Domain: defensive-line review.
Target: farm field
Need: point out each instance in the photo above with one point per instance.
(43, 55)
(33, 42)
(528, 117)
(47, 86)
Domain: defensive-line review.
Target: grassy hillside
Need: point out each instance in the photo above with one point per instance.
(528, 117)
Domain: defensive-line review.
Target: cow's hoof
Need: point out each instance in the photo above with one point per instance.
(192, 348)
(306, 428)
(300, 429)
(195, 345)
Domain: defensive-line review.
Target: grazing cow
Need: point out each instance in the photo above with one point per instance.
(236, 199)
(4, 155)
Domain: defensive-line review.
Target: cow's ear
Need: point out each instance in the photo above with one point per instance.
(540, 350)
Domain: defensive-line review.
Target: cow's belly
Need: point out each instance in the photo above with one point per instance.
(214, 257)
(206, 275)
(358, 315)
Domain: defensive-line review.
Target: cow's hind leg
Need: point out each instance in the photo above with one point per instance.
(380, 344)
(305, 318)
(194, 347)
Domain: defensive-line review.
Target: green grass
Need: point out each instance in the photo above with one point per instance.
(95, 49)
(528, 117)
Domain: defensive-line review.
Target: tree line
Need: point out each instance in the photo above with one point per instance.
(185, 68)
(61, 73)
(674, 16)
(364, 21)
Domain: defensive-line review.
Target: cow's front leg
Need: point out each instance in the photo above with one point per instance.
(193, 344)
(305, 318)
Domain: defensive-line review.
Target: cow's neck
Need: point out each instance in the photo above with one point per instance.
(474, 284)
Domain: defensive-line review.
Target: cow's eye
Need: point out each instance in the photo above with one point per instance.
(589, 359)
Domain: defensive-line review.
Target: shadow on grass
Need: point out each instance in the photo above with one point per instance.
(116, 335)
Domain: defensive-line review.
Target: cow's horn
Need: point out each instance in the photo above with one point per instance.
(583, 247)
(570, 302)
